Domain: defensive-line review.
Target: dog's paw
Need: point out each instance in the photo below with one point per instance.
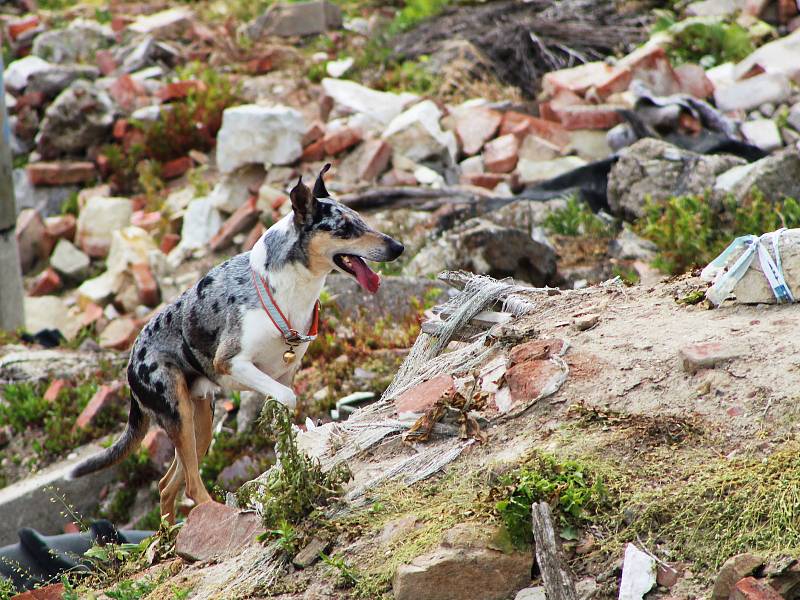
(287, 397)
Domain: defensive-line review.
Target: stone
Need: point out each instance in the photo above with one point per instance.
(45, 283)
(200, 223)
(531, 593)
(102, 399)
(214, 530)
(119, 334)
(423, 396)
(667, 576)
(241, 470)
(751, 588)
(98, 219)
(259, 134)
(351, 97)
(588, 144)
(591, 116)
(81, 116)
(653, 168)
(164, 24)
(250, 404)
(501, 154)
(776, 176)
(233, 190)
(629, 246)
(638, 574)
(585, 322)
(715, 8)
(33, 243)
(297, 19)
(763, 133)
(310, 554)
(533, 171)
(750, 93)
(607, 79)
(777, 57)
(240, 221)
(159, 448)
(372, 159)
(51, 82)
(521, 125)
(149, 221)
(337, 140)
(70, 262)
(49, 312)
(527, 380)
(474, 126)
(650, 66)
(472, 568)
(61, 172)
(75, 43)
(706, 355)
(146, 284)
(535, 149)
(417, 135)
(693, 80)
(19, 72)
(793, 117)
(534, 350)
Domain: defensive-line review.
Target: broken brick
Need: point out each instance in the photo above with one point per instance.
(651, 65)
(521, 125)
(751, 588)
(176, 167)
(692, 80)
(61, 172)
(145, 283)
(501, 154)
(104, 397)
(50, 592)
(707, 355)
(45, 283)
(149, 221)
(179, 89)
(316, 131)
(534, 350)
(475, 126)
(61, 227)
(29, 100)
(91, 314)
(590, 116)
(314, 151)
(562, 99)
(121, 127)
(243, 219)
(423, 396)
(214, 530)
(126, 92)
(169, 241)
(261, 65)
(54, 389)
(255, 233)
(33, 243)
(119, 334)
(105, 62)
(159, 448)
(72, 527)
(484, 180)
(787, 10)
(605, 78)
(339, 140)
(374, 159)
(19, 26)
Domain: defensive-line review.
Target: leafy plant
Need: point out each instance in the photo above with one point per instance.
(416, 11)
(575, 219)
(571, 489)
(131, 590)
(705, 41)
(24, 406)
(286, 536)
(347, 576)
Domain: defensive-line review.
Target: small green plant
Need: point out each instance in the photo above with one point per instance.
(705, 41)
(129, 589)
(575, 219)
(411, 76)
(24, 406)
(416, 11)
(628, 275)
(571, 488)
(347, 576)
(7, 589)
(70, 205)
(286, 536)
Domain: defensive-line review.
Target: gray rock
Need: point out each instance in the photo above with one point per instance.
(755, 91)
(753, 287)
(53, 81)
(81, 116)
(351, 97)
(417, 135)
(531, 593)
(19, 72)
(235, 474)
(30, 502)
(480, 246)
(297, 19)
(69, 261)
(776, 176)
(762, 133)
(794, 117)
(629, 246)
(734, 569)
(250, 404)
(47, 199)
(163, 23)
(654, 169)
(78, 42)
(23, 364)
(144, 53)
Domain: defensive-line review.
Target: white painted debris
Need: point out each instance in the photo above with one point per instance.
(638, 574)
(355, 98)
(417, 135)
(337, 68)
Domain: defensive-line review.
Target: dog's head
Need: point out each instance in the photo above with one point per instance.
(336, 237)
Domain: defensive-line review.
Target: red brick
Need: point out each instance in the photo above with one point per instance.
(526, 380)
(61, 227)
(126, 92)
(45, 283)
(121, 127)
(214, 530)
(316, 131)
(423, 396)
(705, 355)
(500, 155)
(228, 406)
(259, 66)
(145, 283)
(105, 62)
(605, 78)
(521, 125)
(19, 26)
(118, 23)
(375, 156)
(54, 389)
(103, 165)
(149, 221)
(169, 241)
(475, 126)
(91, 314)
(339, 140)
(398, 177)
(175, 168)
(590, 116)
(33, 242)
(561, 100)
(314, 151)
(534, 350)
(754, 7)
(50, 592)
(159, 448)
(133, 137)
(104, 397)
(751, 588)
(61, 172)
(484, 180)
(651, 65)
(692, 80)
(255, 233)
(179, 89)
(243, 219)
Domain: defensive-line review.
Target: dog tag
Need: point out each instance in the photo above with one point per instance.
(288, 356)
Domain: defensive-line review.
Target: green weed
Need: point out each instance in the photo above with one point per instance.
(576, 219)
(570, 487)
(286, 536)
(416, 11)
(131, 590)
(708, 42)
(70, 205)
(347, 576)
(24, 406)
(628, 275)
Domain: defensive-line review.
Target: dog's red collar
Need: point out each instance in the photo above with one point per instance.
(281, 321)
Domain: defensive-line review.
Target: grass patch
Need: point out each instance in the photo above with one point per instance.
(705, 41)
(576, 219)
(689, 232)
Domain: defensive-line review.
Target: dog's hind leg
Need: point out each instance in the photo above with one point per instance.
(169, 487)
(186, 443)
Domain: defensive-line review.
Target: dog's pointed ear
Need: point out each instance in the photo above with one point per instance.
(319, 186)
(303, 202)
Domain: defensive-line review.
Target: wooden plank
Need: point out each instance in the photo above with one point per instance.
(558, 584)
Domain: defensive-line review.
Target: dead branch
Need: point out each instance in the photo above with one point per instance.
(558, 582)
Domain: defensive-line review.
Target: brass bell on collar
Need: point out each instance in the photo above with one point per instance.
(289, 356)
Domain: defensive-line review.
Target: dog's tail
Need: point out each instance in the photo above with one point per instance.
(132, 436)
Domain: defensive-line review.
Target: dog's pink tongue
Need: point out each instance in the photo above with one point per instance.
(367, 278)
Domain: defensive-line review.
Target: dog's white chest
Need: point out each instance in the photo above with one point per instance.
(264, 345)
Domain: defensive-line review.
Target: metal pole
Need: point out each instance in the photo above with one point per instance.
(12, 314)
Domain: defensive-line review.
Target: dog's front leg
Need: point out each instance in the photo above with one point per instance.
(249, 375)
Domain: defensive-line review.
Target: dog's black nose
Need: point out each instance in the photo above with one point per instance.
(394, 248)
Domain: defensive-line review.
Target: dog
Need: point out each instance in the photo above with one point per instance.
(244, 326)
